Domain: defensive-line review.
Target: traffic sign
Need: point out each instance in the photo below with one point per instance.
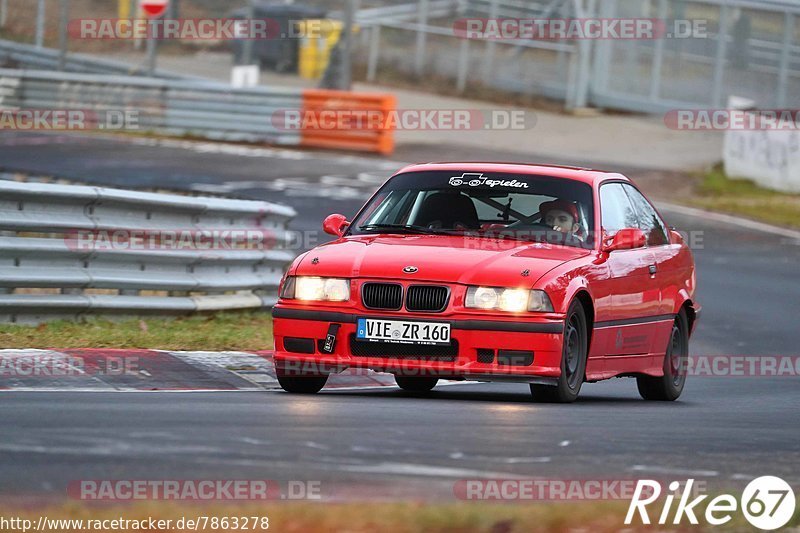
(154, 8)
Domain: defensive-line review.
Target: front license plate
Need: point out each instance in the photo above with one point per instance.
(403, 332)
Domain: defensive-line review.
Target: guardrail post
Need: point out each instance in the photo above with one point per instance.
(422, 23)
(374, 51)
(129, 292)
(719, 62)
(783, 73)
(3, 12)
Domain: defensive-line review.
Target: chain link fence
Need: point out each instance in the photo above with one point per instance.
(744, 48)
(747, 48)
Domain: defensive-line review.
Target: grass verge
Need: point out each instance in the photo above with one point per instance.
(241, 331)
(717, 192)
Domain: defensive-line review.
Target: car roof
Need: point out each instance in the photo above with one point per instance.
(586, 175)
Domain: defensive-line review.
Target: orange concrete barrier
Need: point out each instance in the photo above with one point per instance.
(345, 120)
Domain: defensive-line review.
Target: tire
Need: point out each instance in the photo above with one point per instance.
(573, 360)
(416, 384)
(302, 384)
(668, 388)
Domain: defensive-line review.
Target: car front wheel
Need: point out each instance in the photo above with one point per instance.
(416, 384)
(573, 360)
(301, 384)
(669, 387)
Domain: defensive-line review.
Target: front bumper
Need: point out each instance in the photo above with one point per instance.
(520, 350)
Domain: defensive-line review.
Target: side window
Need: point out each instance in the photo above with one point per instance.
(616, 209)
(649, 221)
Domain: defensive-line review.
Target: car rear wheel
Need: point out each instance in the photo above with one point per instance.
(301, 384)
(573, 360)
(669, 387)
(416, 384)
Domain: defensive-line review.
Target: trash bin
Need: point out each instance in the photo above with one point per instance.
(281, 51)
(319, 38)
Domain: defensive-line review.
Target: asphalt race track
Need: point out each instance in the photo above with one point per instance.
(386, 442)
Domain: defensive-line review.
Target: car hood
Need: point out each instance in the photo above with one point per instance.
(452, 259)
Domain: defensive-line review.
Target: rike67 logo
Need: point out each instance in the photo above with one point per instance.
(767, 503)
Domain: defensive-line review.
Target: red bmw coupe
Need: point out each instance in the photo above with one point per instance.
(552, 276)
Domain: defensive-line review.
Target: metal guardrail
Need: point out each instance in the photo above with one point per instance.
(54, 263)
(174, 107)
(27, 56)
(202, 108)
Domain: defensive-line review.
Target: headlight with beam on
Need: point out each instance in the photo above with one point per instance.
(511, 300)
(314, 289)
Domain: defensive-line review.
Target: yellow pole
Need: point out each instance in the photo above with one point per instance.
(124, 11)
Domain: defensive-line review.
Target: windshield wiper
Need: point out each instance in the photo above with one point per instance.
(407, 228)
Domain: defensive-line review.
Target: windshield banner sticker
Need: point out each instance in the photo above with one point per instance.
(478, 179)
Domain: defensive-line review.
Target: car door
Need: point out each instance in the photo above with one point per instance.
(666, 273)
(635, 298)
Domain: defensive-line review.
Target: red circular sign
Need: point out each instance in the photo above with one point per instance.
(154, 8)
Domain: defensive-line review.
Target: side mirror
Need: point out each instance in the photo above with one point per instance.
(626, 239)
(335, 225)
(675, 237)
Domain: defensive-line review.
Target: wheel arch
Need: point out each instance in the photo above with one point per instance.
(691, 309)
(585, 299)
(691, 314)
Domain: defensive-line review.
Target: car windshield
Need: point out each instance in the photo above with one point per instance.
(492, 205)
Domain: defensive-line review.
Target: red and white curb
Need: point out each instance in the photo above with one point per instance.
(103, 370)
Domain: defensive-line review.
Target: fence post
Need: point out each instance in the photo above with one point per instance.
(422, 36)
(62, 34)
(488, 58)
(658, 54)
(40, 12)
(602, 50)
(463, 65)
(374, 51)
(719, 64)
(152, 48)
(783, 73)
(583, 63)
(247, 44)
(3, 12)
(346, 74)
